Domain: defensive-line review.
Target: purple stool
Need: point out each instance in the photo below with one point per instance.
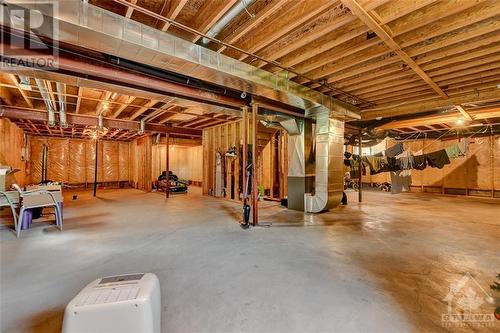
(27, 219)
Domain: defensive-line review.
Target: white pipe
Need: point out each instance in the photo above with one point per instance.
(48, 102)
(224, 21)
(62, 105)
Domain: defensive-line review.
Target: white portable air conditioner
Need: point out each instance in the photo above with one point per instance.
(124, 303)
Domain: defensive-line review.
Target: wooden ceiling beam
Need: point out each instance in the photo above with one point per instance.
(328, 33)
(91, 120)
(23, 93)
(194, 121)
(143, 109)
(399, 72)
(375, 27)
(419, 107)
(293, 16)
(445, 32)
(130, 10)
(119, 111)
(441, 119)
(79, 99)
(209, 15)
(253, 22)
(210, 123)
(174, 8)
(464, 113)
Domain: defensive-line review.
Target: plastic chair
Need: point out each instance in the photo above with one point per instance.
(52, 202)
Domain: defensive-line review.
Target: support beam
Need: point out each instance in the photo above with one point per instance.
(84, 68)
(360, 177)
(255, 145)
(95, 165)
(365, 17)
(463, 112)
(478, 114)
(167, 164)
(130, 10)
(91, 120)
(175, 8)
(419, 107)
(244, 132)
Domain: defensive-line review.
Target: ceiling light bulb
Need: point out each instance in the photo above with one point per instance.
(460, 122)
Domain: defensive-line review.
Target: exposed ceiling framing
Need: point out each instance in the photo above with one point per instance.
(403, 58)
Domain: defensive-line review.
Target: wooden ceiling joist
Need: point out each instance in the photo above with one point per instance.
(418, 107)
(209, 15)
(295, 15)
(88, 120)
(243, 29)
(130, 10)
(174, 8)
(21, 90)
(384, 35)
(452, 117)
(464, 113)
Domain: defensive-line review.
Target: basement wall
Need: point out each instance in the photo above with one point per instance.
(12, 140)
(185, 162)
(72, 161)
(476, 174)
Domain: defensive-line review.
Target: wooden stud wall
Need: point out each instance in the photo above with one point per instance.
(11, 143)
(221, 138)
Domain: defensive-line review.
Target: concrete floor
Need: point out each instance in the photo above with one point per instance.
(382, 266)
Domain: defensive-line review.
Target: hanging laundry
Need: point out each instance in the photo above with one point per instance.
(463, 147)
(437, 159)
(393, 164)
(394, 150)
(400, 181)
(376, 164)
(405, 160)
(419, 162)
(452, 151)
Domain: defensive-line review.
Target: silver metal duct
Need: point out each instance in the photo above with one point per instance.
(100, 121)
(48, 102)
(142, 128)
(230, 15)
(61, 96)
(296, 166)
(97, 29)
(329, 137)
(291, 126)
